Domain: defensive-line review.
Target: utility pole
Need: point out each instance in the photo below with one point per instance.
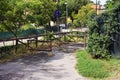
(66, 13)
(96, 6)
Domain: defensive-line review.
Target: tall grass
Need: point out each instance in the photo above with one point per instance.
(11, 53)
(89, 67)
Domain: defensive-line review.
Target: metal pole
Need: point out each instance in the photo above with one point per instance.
(57, 14)
(66, 14)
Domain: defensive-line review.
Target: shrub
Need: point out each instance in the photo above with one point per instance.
(104, 33)
(99, 41)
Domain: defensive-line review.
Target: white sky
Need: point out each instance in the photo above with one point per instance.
(101, 1)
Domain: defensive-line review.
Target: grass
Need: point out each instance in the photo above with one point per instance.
(11, 54)
(71, 38)
(97, 69)
(89, 67)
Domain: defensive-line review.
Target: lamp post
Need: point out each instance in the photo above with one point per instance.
(57, 16)
(66, 14)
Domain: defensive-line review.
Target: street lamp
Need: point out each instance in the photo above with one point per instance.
(66, 13)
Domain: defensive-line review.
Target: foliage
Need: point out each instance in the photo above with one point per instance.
(9, 53)
(16, 13)
(3, 9)
(2, 28)
(73, 6)
(89, 67)
(99, 41)
(82, 18)
(27, 26)
(111, 3)
(102, 32)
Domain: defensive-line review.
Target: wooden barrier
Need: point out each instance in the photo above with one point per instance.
(56, 36)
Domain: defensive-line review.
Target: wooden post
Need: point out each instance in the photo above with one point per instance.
(16, 45)
(64, 37)
(36, 42)
(50, 45)
(28, 44)
(77, 35)
(85, 36)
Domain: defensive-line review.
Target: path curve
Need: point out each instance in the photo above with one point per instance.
(41, 67)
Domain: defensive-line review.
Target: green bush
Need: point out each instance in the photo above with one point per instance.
(104, 32)
(99, 40)
(89, 67)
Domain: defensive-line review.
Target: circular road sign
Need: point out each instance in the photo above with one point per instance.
(57, 13)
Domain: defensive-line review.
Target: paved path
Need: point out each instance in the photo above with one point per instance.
(41, 67)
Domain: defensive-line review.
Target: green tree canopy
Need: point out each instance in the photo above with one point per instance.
(73, 6)
(3, 9)
(15, 13)
(111, 3)
(84, 14)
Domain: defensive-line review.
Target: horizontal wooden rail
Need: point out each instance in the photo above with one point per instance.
(38, 35)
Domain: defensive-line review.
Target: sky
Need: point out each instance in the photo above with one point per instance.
(101, 1)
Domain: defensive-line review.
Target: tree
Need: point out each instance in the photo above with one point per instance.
(73, 6)
(84, 14)
(3, 9)
(111, 3)
(48, 10)
(16, 13)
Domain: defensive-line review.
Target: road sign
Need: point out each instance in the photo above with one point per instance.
(57, 13)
